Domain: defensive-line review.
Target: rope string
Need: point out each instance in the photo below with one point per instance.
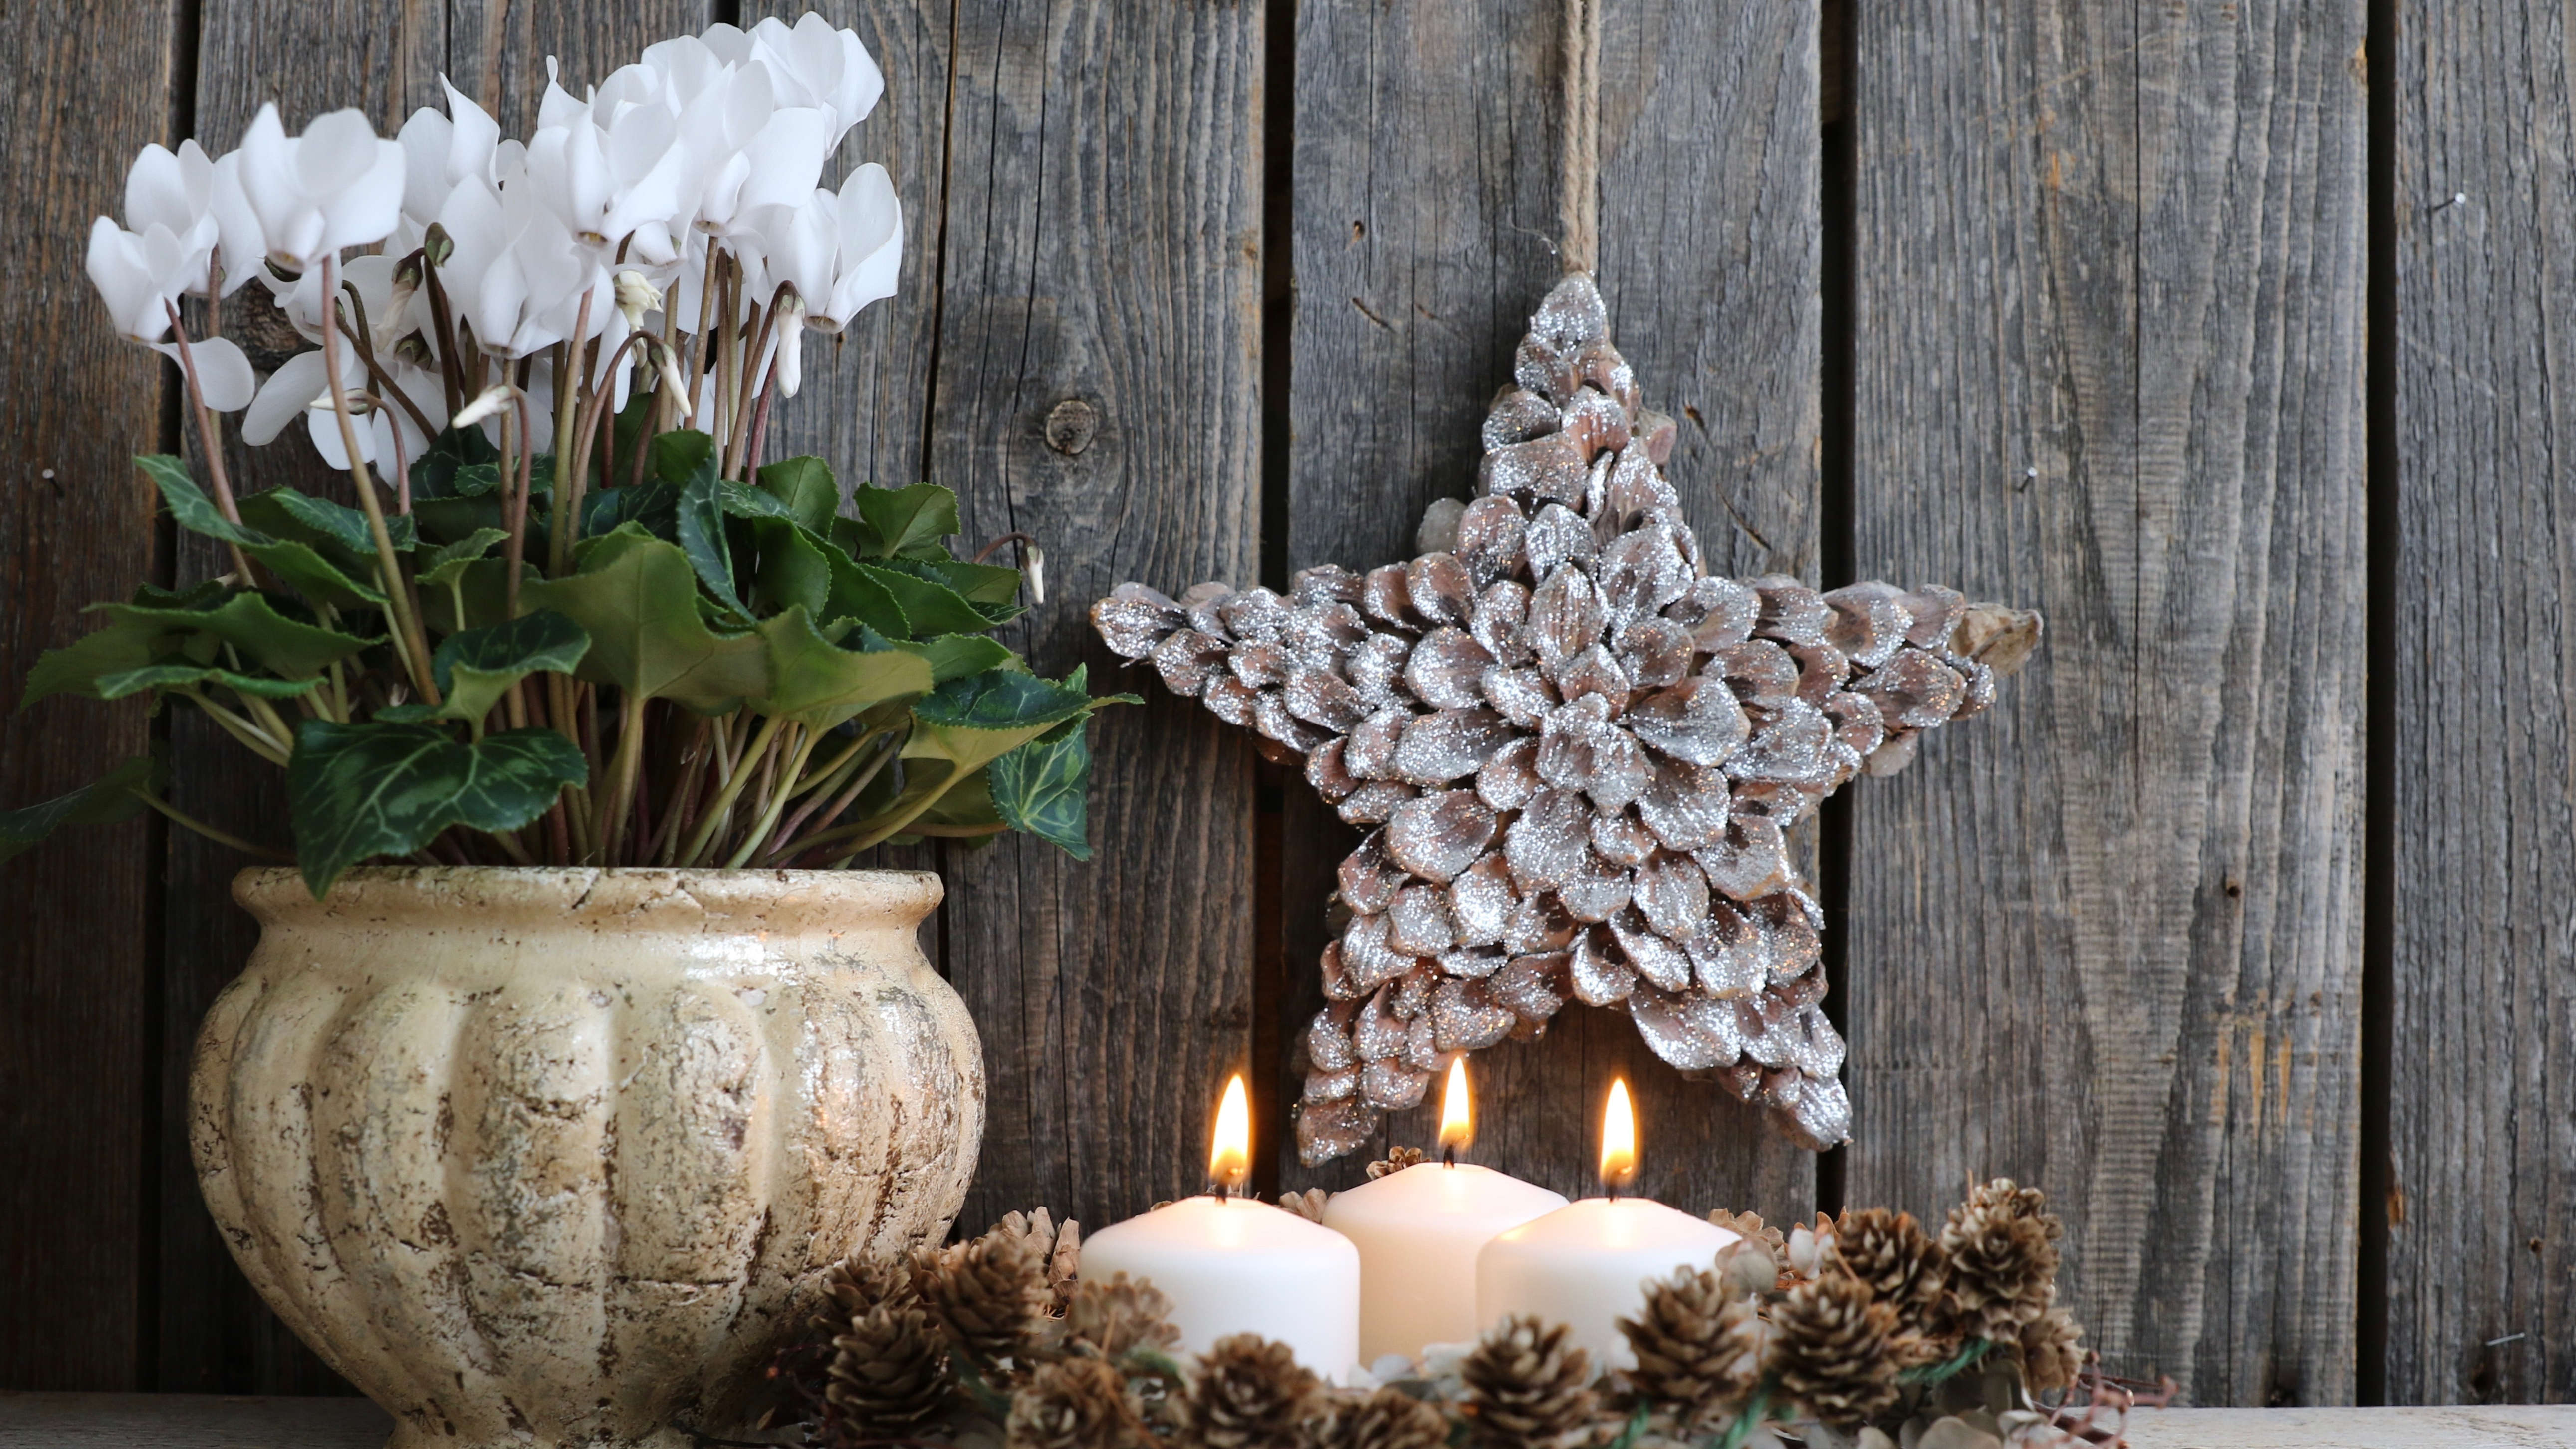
(1578, 201)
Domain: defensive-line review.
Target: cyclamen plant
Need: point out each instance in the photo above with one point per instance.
(574, 617)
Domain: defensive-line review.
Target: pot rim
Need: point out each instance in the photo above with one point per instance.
(715, 899)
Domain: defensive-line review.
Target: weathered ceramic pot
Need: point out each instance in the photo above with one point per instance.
(552, 1157)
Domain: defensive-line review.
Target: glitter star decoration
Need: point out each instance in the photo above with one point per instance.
(1579, 751)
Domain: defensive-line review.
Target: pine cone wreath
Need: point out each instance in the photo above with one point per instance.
(1579, 750)
(1247, 1393)
(1892, 1256)
(1118, 1315)
(890, 1373)
(1528, 1386)
(1071, 1404)
(990, 1296)
(1999, 1269)
(1698, 1344)
(2052, 1353)
(1830, 1347)
(1385, 1419)
(1058, 1248)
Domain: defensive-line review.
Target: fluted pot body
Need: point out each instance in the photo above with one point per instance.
(559, 1156)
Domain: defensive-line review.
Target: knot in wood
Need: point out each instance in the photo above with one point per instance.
(1071, 425)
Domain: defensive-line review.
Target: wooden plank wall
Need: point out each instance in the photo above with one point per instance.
(2108, 319)
(2063, 304)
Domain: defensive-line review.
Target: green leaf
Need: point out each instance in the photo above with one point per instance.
(989, 584)
(305, 570)
(250, 623)
(189, 506)
(447, 561)
(323, 524)
(653, 503)
(702, 538)
(817, 683)
(954, 656)
(475, 667)
(1044, 788)
(113, 796)
(805, 487)
(965, 808)
(478, 588)
(682, 454)
(973, 721)
(118, 648)
(906, 522)
(433, 473)
(742, 502)
(637, 598)
(857, 595)
(363, 790)
(794, 568)
(179, 676)
(929, 606)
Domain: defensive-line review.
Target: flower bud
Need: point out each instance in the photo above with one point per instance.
(437, 245)
(635, 297)
(485, 404)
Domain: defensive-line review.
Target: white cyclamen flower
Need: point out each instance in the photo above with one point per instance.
(614, 167)
(440, 151)
(817, 65)
(141, 274)
(514, 268)
(334, 187)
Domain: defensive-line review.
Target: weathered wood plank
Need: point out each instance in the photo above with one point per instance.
(2481, 1268)
(2108, 260)
(76, 103)
(1425, 173)
(1102, 249)
(2462, 1428)
(384, 57)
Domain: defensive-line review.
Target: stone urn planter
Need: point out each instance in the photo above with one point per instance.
(560, 1156)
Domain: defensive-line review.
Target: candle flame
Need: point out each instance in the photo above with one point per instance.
(1457, 1111)
(1230, 1156)
(1618, 1139)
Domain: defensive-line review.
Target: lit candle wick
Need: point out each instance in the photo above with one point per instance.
(1618, 1141)
(1230, 1153)
(1457, 1113)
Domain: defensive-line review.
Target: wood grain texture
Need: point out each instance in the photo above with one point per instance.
(76, 102)
(2482, 1266)
(214, 1333)
(1102, 245)
(1425, 202)
(2108, 263)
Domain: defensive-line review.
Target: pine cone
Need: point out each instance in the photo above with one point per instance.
(1078, 1403)
(1830, 1346)
(989, 1295)
(1397, 1159)
(1248, 1393)
(1528, 1386)
(1308, 1204)
(2051, 1355)
(1698, 1346)
(856, 1285)
(1119, 1315)
(1059, 1248)
(1386, 1419)
(1750, 1227)
(890, 1373)
(1582, 752)
(1892, 1256)
(1999, 1251)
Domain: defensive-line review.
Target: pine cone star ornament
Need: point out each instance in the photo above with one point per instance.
(1580, 752)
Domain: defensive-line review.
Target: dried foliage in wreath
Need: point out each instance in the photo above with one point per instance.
(1580, 753)
(1870, 1330)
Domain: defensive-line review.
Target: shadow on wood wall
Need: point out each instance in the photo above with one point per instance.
(2064, 303)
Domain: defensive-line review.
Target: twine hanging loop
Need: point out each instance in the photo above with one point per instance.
(1578, 200)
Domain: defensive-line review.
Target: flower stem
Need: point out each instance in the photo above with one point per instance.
(213, 445)
(777, 804)
(722, 805)
(397, 588)
(611, 827)
(180, 817)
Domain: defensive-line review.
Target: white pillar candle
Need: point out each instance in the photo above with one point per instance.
(1232, 1265)
(1586, 1265)
(1418, 1232)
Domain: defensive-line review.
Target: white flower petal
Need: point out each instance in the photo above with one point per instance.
(223, 372)
(289, 390)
